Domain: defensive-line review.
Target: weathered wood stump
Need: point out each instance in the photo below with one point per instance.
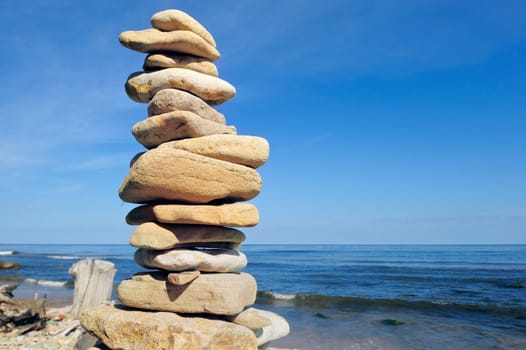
(93, 283)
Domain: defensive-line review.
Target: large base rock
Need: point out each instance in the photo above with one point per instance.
(214, 293)
(120, 328)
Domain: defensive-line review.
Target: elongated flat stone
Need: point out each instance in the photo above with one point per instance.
(141, 86)
(251, 151)
(166, 60)
(169, 100)
(121, 328)
(166, 174)
(278, 328)
(181, 41)
(250, 318)
(151, 235)
(213, 293)
(169, 20)
(207, 260)
(170, 126)
(237, 214)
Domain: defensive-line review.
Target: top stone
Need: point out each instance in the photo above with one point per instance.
(170, 20)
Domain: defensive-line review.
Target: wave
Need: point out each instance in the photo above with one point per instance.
(64, 257)
(45, 283)
(346, 303)
(8, 252)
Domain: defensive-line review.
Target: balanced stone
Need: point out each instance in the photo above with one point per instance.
(121, 328)
(182, 41)
(170, 20)
(278, 328)
(213, 293)
(166, 60)
(236, 214)
(167, 174)
(208, 260)
(251, 151)
(151, 235)
(141, 86)
(169, 100)
(250, 318)
(175, 125)
(182, 278)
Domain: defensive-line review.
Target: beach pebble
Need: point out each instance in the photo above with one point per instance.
(169, 100)
(236, 214)
(211, 293)
(170, 20)
(141, 86)
(170, 126)
(251, 151)
(278, 328)
(120, 328)
(250, 318)
(180, 41)
(167, 174)
(151, 235)
(167, 60)
(209, 260)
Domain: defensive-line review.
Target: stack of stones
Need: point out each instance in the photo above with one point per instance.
(189, 181)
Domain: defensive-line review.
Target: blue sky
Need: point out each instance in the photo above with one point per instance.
(389, 121)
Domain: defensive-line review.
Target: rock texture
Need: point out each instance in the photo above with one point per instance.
(208, 260)
(166, 174)
(152, 235)
(153, 131)
(237, 214)
(169, 100)
(121, 328)
(212, 293)
(251, 151)
(158, 61)
(183, 41)
(141, 86)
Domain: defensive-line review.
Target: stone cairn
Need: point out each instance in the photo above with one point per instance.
(189, 180)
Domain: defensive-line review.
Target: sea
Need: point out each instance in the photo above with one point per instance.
(344, 296)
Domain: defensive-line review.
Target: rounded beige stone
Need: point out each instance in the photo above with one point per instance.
(153, 131)
(251, 151)
(169, 100)
(211, 293)
(236, 214)
(141, 86)
(166, 60)
(180, 41)
(167, 174)
(151, 235)
(208, 260)
(121, 328)
(169, 20)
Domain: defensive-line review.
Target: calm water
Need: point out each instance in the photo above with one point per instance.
(346, 296)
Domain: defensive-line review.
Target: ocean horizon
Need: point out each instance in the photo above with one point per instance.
(344, 296)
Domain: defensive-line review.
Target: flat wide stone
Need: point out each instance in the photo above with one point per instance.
(181, 41)
(169, 100)
(206, 260)
(167, 174)
(199, 64)
(213, 293)
(236, 215)
(251, 151)
(176, 125)
(141, 86)
(156, 236)
(121, 328)
(170, 20)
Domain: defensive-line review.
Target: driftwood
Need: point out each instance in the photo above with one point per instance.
(93, 283)
(20, 316)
